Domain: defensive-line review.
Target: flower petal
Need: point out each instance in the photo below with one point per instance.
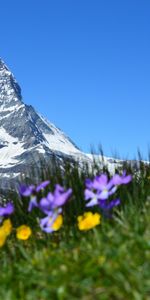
(103, 195)
(100, 182)
(89, 194)
(93, 202)
(107, 206)
(32, 203)
(26, 190)
(61, 199)
(42, 185)
(7, 210)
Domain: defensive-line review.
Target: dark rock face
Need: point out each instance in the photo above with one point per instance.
(25, 136)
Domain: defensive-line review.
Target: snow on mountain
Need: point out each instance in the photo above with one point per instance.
(58, 141)
(10, 146)
(111, 163)
(26, 136)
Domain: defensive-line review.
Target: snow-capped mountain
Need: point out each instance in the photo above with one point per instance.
(25, 136)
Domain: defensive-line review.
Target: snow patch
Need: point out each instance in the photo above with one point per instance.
(58, 141)
(12, 149)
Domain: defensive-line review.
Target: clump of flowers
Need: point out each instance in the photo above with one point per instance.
(31, 191)
(51, 205)
(6, 227)
(88, 220)
(99, 190)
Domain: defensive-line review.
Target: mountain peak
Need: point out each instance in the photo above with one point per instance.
(2, 64)
(10, 91)
(25, 136)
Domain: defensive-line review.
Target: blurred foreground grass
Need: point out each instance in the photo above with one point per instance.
(111, 261)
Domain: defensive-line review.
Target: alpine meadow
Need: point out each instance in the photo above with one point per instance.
(75, 150)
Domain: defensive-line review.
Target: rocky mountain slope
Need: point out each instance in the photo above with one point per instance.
(25, 136)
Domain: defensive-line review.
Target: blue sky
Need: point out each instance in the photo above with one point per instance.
(85, 65)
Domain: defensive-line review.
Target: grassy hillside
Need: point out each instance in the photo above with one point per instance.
(109, 261)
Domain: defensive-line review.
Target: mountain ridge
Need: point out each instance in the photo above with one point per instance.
(26, 137)
(26, 134)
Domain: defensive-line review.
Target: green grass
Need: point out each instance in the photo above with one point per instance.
(111, 261)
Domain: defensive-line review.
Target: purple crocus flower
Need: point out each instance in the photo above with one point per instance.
(60, 196)
(47, 222)
(101, 182)
(103, 187)
(117, 179)
(99, 190)
(26, 191)
(55, 200)
(45, 205)
(7, 210)
(42, 185)
(105, 205)
(32, 189)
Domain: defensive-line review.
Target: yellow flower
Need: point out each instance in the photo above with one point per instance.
(88, 220)
(23, 232)
(7, 227)
(2, 237)
(58, 223)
